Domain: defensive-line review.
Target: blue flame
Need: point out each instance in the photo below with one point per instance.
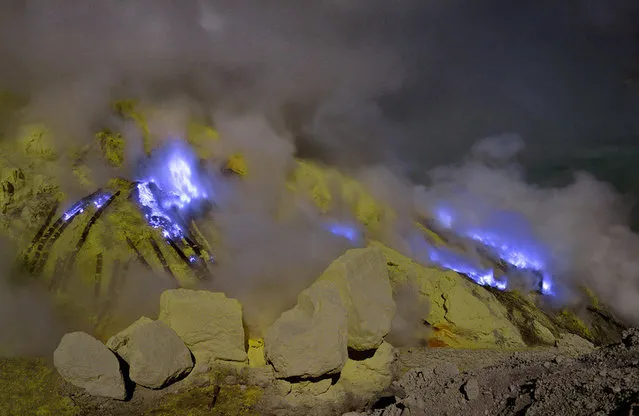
(98, 200)
(345, 230)
(173, 188)
(451, 260)
(505, 235)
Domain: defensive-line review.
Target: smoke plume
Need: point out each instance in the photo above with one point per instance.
(387, 91)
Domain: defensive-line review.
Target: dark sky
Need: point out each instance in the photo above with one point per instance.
(364, 79)
(552, 72)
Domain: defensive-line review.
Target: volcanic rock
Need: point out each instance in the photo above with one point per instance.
(256, 353)
(362, 278)
(471, 389)
(630, 338)
(542, 333)
(85, 362)
(209, 323)
(310, 340)
(463, 314)
(154, 352)
(369, 377)
(573, 345)
(118, 342)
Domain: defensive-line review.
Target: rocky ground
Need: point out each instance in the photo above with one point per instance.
(560, 381)
(572, 378)
(333, 353)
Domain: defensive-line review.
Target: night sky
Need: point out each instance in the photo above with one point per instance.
(360, 81)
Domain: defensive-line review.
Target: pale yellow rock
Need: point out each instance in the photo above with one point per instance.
(362, 278)
(118, 342)
(310, 340)
(461, 313)
(573, 345)
(256, 353)
(85, 362)
(367, 378)
(209, 323)
(543, 333)
(313, 388)
(155, 354)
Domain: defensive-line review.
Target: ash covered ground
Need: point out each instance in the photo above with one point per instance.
(566, 381)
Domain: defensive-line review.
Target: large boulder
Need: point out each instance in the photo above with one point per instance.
(209, 323)
(310, 340)
(85, 362)
(362, 279)
(461, 313)
(154, 352)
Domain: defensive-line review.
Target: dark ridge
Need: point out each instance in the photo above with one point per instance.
(180, 253)
(160, 256)
(98, 275)
(41, 230)
(87, 229)
(52, 234)
(58, 273)
(113, 285)
(203, 271)
(139, 255)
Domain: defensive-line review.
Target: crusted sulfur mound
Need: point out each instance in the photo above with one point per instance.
(461, 313)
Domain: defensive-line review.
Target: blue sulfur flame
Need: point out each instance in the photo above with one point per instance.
(344, 230)
(505, 235)
(451, 260)
(98, 200)
(173, 188)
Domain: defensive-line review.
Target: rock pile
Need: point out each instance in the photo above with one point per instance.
(155, 354)
(329, 350)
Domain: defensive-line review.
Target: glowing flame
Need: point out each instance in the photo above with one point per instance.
(451, 260)
(345, 230)
(505, 235)
(98, 200)
(173, 188)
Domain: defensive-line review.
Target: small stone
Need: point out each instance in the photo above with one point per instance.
(547, 364)
(603, 373)
(616, 389)
(471, 389)
(558, 359)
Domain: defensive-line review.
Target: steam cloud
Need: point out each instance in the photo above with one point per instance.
(386, 90)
